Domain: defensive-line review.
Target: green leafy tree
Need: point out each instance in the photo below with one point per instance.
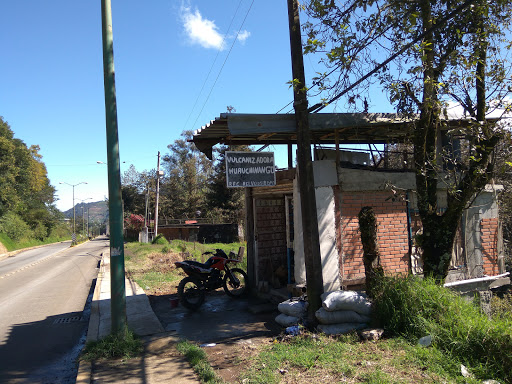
(13, 226)
(184, 186)
(224, 204)
(439, 51)
(8, 170)
(134, 187)
(26, 190)
(504, 177)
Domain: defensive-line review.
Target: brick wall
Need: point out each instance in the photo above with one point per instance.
(271, 232)
(489, 238)
(392, 235)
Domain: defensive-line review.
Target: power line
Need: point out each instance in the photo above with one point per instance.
(319, 106)
(224, 63)
(213, 63)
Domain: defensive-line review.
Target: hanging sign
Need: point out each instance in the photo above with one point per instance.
(250, 169)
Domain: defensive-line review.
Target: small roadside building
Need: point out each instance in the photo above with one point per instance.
(345, 181)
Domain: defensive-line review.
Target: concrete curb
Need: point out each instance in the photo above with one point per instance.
(94, 319)
(140, 316)
(84, 374)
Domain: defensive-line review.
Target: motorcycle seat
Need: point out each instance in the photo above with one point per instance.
(206, 266)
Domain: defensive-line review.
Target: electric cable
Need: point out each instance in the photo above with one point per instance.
(213, 63)
(224, 63)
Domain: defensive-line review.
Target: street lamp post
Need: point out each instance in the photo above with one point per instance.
(83, 217)
(73, 186)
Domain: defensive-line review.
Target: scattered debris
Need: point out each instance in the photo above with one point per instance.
(425, 341)
(465, 372)
(371, 334)
(294, 330)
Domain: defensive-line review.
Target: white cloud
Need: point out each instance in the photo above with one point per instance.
(243, 35)
(200, 30)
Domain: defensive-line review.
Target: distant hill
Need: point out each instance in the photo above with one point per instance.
(98, 211)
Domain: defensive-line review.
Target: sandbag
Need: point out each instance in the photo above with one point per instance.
(340, 329)
(337, 317)
(297, 308)
(346, 301)
(286, 321)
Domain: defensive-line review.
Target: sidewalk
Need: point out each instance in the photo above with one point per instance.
(160, 362)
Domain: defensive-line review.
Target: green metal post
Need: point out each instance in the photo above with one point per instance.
(117, 286)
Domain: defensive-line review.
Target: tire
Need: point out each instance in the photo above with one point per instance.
(235, 284)
(191, 293)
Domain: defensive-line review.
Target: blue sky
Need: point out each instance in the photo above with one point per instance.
(168, 54)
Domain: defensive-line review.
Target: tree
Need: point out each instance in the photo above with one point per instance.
(224, 203)
(504, 177)
(134, 187)
(438, 51)
(26, 190)
(184, 186)
(34, 189)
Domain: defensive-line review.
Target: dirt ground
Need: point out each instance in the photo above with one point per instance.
(233, 329)
(228, 329)
(3, 249)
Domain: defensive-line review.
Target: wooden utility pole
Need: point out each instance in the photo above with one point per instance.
(157, 194)
(314, 278)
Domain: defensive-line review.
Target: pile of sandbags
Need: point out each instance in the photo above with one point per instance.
(343, 312)
(292, 312)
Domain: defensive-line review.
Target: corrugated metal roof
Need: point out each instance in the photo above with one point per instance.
(261, 129)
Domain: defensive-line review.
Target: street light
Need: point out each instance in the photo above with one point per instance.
(73, 185)
(83, 219)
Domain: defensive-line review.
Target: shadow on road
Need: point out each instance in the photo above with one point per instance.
(43, 351)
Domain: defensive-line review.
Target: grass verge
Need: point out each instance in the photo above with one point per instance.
(311, 358)
(412, 308)
(199, 362)
(27, 243)
(407, 308)
(124, 345)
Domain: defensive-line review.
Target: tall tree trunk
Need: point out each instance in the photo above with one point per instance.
(434, 242)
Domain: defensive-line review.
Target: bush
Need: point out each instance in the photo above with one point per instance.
(61, 230)
(501, 307)
(7, 242)
(40, 232)
(413, 308)
(160, 239)
(13, 226)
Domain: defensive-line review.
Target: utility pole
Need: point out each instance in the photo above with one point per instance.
(312, 256)
(117, 285)
(157, 194)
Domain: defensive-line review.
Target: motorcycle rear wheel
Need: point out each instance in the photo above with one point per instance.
(190, 293)
(235, 285)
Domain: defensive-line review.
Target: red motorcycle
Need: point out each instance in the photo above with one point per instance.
(213, 274)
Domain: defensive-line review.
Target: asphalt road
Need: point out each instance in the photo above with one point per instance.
(43, 324)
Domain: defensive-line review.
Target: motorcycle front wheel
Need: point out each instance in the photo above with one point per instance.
(235, 282)
(190, 293)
